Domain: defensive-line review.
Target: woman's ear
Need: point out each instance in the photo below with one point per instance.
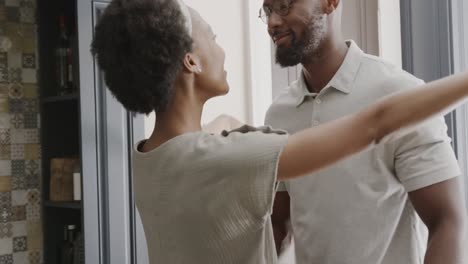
(192, 63)
(331, 5)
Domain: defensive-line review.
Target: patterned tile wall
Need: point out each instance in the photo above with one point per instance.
(20, 217)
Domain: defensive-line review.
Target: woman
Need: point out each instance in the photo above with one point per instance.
(207, 198)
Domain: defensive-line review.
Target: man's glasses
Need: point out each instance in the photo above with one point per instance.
(280, 7)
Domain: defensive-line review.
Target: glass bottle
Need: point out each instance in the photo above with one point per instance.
(67, 247)
(63, 56)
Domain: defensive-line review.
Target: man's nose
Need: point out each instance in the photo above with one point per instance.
(274, 20)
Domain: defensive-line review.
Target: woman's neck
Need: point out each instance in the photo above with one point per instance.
(182, 115)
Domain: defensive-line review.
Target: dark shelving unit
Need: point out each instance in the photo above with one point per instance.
(64, 205)
(59, 98)
(60, 122)
(88, 124)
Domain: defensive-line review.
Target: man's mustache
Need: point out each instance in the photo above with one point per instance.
(277, 34)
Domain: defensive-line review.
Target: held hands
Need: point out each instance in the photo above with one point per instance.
(225, 125)
(221, 123)
(247, 128)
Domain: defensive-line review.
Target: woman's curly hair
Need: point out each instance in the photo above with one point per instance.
(140, 45)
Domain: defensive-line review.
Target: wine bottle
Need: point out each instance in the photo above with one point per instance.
(68, 246)
(63, 56)
(78, 250)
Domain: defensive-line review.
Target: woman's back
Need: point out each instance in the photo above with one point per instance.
(208, 199)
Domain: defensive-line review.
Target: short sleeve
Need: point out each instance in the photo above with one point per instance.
(255, 156)
(424, 155)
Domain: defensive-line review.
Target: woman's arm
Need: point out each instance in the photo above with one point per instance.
(315, 148)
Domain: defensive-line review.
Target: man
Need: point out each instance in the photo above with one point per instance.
(366, 209)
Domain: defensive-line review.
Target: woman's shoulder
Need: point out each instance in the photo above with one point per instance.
(205, 146)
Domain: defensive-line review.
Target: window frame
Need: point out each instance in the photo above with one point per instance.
(459, 32)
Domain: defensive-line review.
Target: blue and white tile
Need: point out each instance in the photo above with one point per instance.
(5, 168)
(12, 3)
(18, 182)
(17, 121)
(20, 244)
(4, 75)
(27, 15)
(18, 213)
(34, 196)
(19, 197)
(31, 120)
(19, 228)
(14, 60)
(29, 75)
(5, 135)
(6, 259)
(6, 230)
(21, 257)
(16, 105)
(31, 136)
(4, 120)
(15, 75)
(18, 136)
(6, 246)
(35, 257)
(17, 152)
(31, 105)
(16, 91)
(33, 212)
(29, 60)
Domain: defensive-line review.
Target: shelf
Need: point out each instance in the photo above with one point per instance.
(59, 98)
(65, 205)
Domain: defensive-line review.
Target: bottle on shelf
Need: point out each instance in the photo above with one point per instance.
(78, 250)
(68, 245)
(64, 60)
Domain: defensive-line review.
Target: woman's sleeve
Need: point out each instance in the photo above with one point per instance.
(255, 157)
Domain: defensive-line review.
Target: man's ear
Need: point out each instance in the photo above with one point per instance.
(191, 63)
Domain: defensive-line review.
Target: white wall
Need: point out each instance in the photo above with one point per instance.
(230, 21)
(227, 20)
(374, 25)
(390, 31)
(360, 24)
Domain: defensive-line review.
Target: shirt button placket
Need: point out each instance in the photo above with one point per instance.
(316, 103)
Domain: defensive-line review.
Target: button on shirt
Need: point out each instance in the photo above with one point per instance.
(358, 210)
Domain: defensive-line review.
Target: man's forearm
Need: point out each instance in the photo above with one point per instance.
(447, 244)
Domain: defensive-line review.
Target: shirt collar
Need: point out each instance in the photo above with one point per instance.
(343, 80)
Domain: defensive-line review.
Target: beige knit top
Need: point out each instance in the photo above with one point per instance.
(207, 199)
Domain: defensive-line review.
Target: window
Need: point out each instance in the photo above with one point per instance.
(429, 55)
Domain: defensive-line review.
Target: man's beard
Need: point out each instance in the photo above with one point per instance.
(308, 48)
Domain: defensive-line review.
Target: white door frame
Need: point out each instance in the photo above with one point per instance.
(259, 62)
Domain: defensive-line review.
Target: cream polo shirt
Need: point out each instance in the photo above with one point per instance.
(206, 199)
(358, 211)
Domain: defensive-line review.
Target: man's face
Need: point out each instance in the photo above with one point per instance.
(299, 35)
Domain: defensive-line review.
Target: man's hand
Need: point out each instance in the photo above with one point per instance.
(221, 123)
(248, 128)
